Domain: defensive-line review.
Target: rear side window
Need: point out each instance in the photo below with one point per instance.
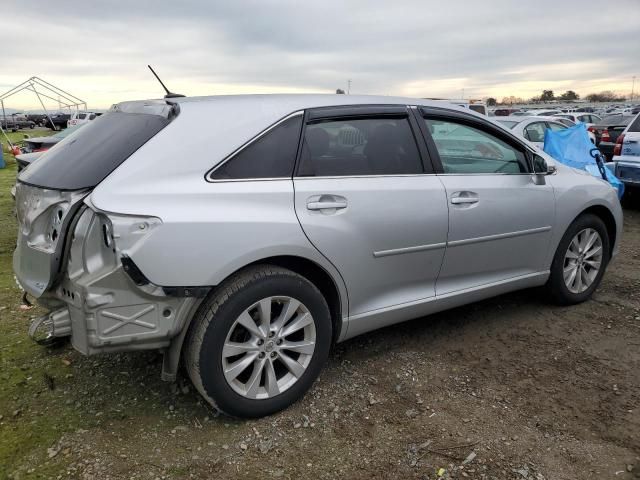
(271, 155)
(467, 150)
(535, 132)
(359, 146)
(88, 155)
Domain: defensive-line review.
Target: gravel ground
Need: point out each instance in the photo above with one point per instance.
(509, 388)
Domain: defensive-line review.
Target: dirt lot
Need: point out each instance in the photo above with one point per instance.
(518, 388)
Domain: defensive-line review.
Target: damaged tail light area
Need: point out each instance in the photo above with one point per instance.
(110, 309)
(43, 215)
(617, 149)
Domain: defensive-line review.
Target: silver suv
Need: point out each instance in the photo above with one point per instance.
(247, 234)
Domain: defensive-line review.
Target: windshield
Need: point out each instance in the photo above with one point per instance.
(84, 159)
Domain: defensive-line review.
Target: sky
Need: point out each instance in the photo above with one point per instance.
(98, 50)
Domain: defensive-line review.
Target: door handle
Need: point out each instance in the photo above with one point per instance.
(326, 205)
(462, 200)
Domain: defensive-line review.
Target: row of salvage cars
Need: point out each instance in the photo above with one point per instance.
(616, 136)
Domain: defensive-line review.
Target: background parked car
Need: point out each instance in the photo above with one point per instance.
(505, 112)
(607, 131)
(532, 128)
(15, 122)
(58, 121)
(626, 154)
(545, 113)
(22, 121)
(7, 123)
(37, 118)
(582, 117)
(79, 118)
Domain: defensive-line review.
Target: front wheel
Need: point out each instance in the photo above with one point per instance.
(580, 261)
(258, 343)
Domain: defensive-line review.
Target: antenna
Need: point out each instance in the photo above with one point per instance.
(169, 94)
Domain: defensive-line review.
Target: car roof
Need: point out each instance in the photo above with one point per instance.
(294, 102)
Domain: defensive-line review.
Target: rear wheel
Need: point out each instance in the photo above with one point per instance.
(580, 261)
(259, 342)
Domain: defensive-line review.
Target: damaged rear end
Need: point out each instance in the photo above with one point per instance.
(75, 259)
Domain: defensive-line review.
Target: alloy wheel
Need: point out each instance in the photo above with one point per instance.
(583, 260)
(268, 347)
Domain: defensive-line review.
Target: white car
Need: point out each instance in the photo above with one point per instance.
(79, 118)
(545, 113)
(580, 117)
(626, 154)
(531, 128)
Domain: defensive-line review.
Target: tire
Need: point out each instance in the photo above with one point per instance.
(572, 290)
(216, 323)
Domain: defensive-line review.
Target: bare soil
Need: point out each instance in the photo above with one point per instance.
(518, 387)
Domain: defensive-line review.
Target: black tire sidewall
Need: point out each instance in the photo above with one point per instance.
(210, 355)
(559, 289)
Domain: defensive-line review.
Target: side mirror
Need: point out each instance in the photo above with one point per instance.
(541, 169)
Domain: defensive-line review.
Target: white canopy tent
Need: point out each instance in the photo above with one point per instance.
(43, 89)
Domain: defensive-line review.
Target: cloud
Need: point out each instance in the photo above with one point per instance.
(99, 50)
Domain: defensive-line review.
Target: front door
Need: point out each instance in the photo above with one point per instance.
(367, 203)
(500, 221)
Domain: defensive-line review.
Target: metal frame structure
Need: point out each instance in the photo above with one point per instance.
(42, 88)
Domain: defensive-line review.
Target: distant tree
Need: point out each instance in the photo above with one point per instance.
(569, 95)
(340, 91)
(491, 102)
(606, 96)
(511, 100)
(547, 96)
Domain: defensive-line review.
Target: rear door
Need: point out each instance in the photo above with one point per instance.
(366, 197)
(499, 221)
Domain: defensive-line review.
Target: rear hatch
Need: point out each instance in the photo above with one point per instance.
(50, 192)
(631, 140)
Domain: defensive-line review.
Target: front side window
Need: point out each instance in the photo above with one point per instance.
(359, 146)
(270, 156)
(464, 149)
(535, 132)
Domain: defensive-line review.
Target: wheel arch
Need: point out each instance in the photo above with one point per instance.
(609, 220)
(311, 270)
(321, 278)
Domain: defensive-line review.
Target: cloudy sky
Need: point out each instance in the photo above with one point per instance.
(99, 50)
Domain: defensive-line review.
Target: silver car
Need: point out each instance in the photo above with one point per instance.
(292, 222)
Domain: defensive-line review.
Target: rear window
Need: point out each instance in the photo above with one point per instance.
(478, 108)
(635, 125)
(85, 158)
(617, 120)
(507, 123)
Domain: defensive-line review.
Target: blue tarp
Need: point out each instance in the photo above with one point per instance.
(572, 147)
